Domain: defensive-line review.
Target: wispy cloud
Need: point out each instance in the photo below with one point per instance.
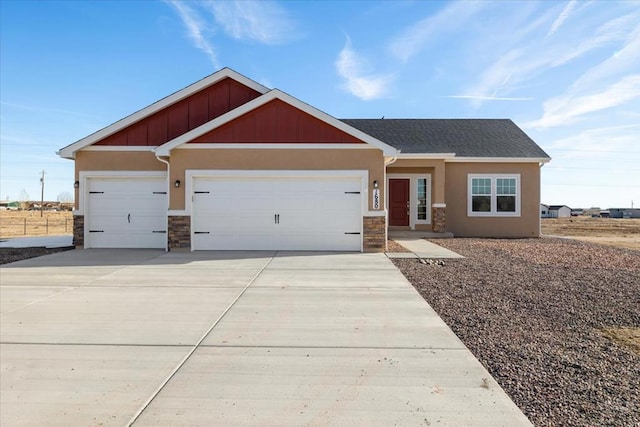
(526, 61)
(569, 109)
(351, 67)
(562, 17)
(413, 39)
(595, 142)
(196, 28)
(490, 98)
(262, 21)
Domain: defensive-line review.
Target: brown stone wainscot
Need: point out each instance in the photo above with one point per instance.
(439, 220)
(179, 232)
(374, 238)
(78, 230)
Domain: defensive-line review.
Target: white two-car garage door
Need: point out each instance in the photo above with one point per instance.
(126, 213)
(263, 213)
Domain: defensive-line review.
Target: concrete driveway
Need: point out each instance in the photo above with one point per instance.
(114, 337)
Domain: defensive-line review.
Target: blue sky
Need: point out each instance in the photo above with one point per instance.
(567, 72)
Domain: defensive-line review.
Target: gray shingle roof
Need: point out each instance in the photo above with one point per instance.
(464, 137)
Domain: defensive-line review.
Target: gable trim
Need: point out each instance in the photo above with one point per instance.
(165, 149)
(276, 146)
(119, 148)
(69, 151)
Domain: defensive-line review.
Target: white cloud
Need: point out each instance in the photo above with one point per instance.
(196, 29)
(365, 86)
(519, 65)
(263, 21)
(568, 109)
(562, 17)
(490, 98)
(414, 38)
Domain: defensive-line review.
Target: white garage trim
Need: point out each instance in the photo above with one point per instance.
(257, 231)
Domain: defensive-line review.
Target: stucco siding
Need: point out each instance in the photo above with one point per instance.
(114, 161)
(463, 225)
(273, 159)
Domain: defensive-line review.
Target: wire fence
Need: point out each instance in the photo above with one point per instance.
(20, 227)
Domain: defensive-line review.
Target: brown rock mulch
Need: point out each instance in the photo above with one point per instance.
(8, 255)
(533, 311)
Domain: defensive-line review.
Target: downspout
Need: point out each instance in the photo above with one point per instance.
(540, 201)
(166, 243)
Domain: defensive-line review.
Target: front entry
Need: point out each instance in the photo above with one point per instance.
(399, 202)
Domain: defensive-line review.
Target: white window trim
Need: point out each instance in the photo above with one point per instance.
(493, 212)
(413, 196)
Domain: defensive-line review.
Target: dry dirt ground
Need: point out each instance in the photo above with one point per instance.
(30, 223)
(555, 321)
(624, 233)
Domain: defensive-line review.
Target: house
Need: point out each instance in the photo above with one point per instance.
(544, 211)
(559, 211)
(227, 163)
(624, 213)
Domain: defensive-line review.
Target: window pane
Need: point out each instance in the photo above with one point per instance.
(506, 186)
(481, 203)
(422, 199)
(481, 186)
(506, 203)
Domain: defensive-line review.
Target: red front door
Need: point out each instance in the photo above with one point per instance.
(399, 202)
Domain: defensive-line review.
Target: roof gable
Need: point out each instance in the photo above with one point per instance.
(175, 114)
(276, 122)
(312, 119)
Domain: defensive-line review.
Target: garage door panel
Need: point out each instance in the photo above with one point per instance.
(127, 213)
(293, 213)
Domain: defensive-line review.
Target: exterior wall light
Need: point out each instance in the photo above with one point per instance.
(375, 184)
(177, 183)
(76, 184)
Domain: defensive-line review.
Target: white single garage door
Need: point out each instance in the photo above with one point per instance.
(264, 213)
(126, 213)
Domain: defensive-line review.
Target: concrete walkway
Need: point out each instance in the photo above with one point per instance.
(420, 248)
(128, 337)
(37, 242)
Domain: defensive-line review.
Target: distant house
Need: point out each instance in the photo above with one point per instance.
(624, 213)
(544, 211)
(577, 212)
(559, 211)
(593, 212)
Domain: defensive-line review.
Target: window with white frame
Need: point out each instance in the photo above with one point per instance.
(421, 198)
(493, 195)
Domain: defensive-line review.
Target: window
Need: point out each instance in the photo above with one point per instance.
(494, 195)
(421, 197)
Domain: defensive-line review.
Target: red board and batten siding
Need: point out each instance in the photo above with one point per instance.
(184, 115)
(276, 122)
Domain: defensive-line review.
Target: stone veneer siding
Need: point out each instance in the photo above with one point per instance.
(374, 238)
(439, 220)
(78, 230)
(179, 232)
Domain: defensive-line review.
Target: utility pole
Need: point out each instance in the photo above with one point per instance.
(42, 195)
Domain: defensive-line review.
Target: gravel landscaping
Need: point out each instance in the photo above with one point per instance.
(539, 314)
(8, 255)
